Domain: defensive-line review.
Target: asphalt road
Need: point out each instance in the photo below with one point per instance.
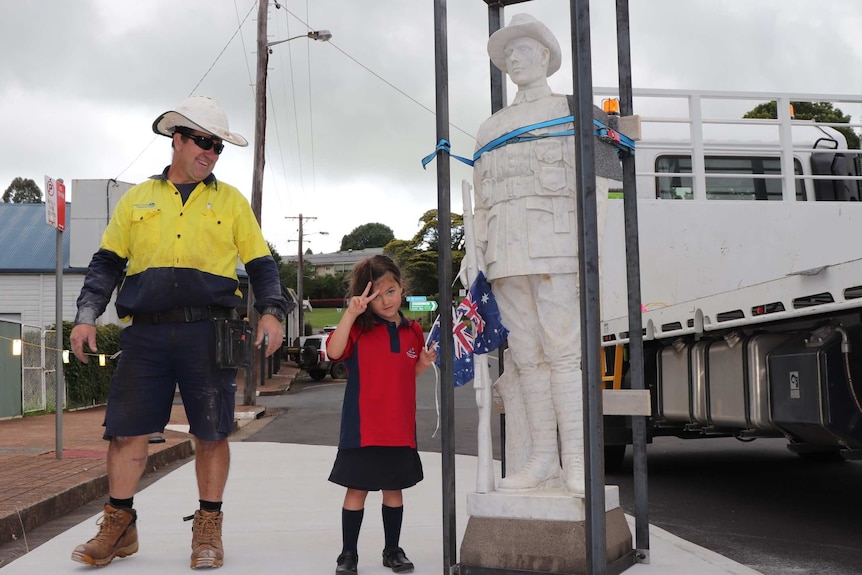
(310, 413)
(756, 502)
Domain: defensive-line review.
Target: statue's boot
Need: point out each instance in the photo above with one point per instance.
(543, 466)
(568, 398)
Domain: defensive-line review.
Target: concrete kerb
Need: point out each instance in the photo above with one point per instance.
(16, 525)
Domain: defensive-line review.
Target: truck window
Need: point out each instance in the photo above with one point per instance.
(736, 182)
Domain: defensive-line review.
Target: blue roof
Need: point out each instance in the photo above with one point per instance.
(27, 242)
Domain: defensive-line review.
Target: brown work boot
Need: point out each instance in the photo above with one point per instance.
(117, 537)
(207, 550)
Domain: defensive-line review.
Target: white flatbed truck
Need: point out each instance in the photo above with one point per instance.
(750, 236)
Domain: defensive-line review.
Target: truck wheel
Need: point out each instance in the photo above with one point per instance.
(338, 370)
(614, 456)
(317, 374)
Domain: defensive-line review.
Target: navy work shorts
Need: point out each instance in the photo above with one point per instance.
(155, 360)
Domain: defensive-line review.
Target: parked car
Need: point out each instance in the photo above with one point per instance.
(309, 353)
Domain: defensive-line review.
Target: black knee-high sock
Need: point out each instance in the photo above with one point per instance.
(351, 522)
(121, 503)
(392, 517)
(210, 505)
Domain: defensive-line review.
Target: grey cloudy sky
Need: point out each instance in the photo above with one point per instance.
(82, 80)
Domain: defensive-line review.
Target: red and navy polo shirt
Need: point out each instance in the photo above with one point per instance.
(380, 398)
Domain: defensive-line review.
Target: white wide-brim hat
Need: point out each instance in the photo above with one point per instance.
(200, 113)
(520, 26)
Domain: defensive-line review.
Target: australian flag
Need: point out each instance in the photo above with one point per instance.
(488, 333)
(462, 339)
(481, 309)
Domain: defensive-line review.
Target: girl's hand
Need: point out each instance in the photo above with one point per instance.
(359, 303)
(427, 357)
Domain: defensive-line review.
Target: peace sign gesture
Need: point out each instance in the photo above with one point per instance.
(359, 303)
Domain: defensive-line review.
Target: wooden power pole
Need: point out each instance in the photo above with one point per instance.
(256, 365)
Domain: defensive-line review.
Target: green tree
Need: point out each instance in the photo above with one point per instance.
(367, 236)
(818, 111)
(326, 286)
(23, 191)
(427, 237)
(418, 257)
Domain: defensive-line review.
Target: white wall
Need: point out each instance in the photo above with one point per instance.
(93, 202)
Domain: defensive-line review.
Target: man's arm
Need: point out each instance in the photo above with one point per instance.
(103, 274)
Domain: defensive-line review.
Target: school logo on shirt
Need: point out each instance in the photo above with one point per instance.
(411, 353)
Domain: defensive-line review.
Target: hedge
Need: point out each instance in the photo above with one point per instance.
(327, 302)
(87, 384)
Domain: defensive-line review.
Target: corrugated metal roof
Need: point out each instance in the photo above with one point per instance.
(345, 257)
(27, 242)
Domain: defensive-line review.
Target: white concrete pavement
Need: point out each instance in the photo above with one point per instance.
(283, 516)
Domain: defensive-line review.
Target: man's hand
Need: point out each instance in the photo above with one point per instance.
(83, 332)
(269, 326)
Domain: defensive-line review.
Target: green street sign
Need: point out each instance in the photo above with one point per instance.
(423, 306)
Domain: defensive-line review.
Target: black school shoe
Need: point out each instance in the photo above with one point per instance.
(396, 560)
(347, 563)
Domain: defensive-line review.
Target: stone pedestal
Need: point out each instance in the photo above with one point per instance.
(538, 532)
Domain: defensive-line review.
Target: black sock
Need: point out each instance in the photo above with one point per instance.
(351, 522)
(121, 503)
(210, 505)
(392, 517)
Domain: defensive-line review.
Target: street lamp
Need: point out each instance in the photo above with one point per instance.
(319, 35)
(263, 48)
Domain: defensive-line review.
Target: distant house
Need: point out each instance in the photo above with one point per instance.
(335, 262)
(28, 262)
(29, 253)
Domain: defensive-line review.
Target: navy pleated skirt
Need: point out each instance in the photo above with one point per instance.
(375, 468)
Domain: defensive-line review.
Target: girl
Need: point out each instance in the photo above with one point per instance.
(384, 352)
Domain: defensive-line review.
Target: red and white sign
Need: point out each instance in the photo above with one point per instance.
(55, 203)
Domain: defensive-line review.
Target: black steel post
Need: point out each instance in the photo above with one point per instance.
(498, 101)
(444, 260)
(498, 78)
(588, 270)
(633, 281)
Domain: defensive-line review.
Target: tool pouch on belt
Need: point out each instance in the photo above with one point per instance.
(233, 343)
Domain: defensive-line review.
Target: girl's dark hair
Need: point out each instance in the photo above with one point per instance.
(367, 270)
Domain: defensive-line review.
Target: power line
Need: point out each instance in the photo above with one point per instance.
(384, 80)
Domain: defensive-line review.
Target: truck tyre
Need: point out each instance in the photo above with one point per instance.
(338, 370)
(317, 374)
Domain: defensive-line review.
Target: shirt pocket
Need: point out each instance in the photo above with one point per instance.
(216, 233)
(145, 233)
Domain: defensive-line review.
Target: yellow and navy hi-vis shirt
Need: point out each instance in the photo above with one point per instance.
(179, 254)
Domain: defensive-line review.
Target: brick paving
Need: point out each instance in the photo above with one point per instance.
(36, 486)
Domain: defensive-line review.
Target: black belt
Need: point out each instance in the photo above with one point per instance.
(185, 315)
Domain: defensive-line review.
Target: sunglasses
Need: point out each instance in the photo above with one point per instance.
(203, 142)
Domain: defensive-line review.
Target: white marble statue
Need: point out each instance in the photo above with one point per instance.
(526, 235)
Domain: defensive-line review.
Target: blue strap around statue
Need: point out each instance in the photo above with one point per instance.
(622, 142)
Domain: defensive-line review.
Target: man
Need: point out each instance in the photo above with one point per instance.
(176, 237)
(526, 234)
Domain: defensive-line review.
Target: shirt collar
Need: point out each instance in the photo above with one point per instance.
(531, 94)
(402, 322)
(211, 179)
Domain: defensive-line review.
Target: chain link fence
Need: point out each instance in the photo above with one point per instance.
(39, 363)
